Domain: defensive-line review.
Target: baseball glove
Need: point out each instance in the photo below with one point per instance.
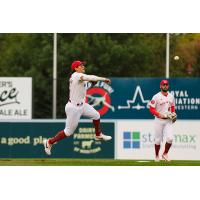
(172, 116)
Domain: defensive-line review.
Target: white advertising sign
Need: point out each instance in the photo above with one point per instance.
(15, 98)
(135, 140)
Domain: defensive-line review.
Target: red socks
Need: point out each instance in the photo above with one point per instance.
(157, 149)
(167, 147)
(97, 127)
(59, 136)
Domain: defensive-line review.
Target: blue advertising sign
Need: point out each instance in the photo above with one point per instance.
(127, 98)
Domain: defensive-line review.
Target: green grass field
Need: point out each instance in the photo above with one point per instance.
(92, 162)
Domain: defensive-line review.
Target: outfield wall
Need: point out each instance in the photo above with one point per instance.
(127, 98)
(132, 139)
(23, 139)
(135, 140)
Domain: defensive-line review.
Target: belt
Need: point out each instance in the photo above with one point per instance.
(77, 104)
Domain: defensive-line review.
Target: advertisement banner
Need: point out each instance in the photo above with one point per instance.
(24, 140)
(135, 140)
(127, 98)
(15, 98)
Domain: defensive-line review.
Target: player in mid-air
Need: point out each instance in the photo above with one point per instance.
(162, 106)
(77, 107)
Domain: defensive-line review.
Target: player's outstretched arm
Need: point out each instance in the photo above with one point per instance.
(94, 78)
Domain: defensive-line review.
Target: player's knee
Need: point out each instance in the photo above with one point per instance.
(97, 116)
(68, 132)
(169, 140)
(157, 141)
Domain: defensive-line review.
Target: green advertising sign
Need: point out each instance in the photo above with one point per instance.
(24, 140)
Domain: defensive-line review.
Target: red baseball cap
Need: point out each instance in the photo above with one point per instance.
(164, 81)
(77, 63)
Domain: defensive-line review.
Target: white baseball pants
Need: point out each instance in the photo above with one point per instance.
(163, 127)
(74, 113)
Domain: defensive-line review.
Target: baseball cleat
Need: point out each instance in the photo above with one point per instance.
(103, 137)
(165, 157)
(47, 147)
(157, 159)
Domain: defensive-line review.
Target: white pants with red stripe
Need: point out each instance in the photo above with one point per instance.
(74, 113)
(163, 128)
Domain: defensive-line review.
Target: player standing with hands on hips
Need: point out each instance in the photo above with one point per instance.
(77, 107)
(162, 106)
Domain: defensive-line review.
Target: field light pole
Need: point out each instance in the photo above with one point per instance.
(54, 74)
(167, 54)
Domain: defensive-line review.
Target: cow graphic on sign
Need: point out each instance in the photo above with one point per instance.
(99, 98)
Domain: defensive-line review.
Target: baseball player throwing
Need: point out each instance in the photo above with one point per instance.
(76, 106)
(162, 106)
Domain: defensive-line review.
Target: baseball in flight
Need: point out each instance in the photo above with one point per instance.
(176, 57)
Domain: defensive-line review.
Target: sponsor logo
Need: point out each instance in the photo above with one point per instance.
(131, 140)
(138, 102)
(12, 93)
(185, 141)
(84, 142)
(142, 140)
(8, 93)
(184, 101)
(99, 97)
